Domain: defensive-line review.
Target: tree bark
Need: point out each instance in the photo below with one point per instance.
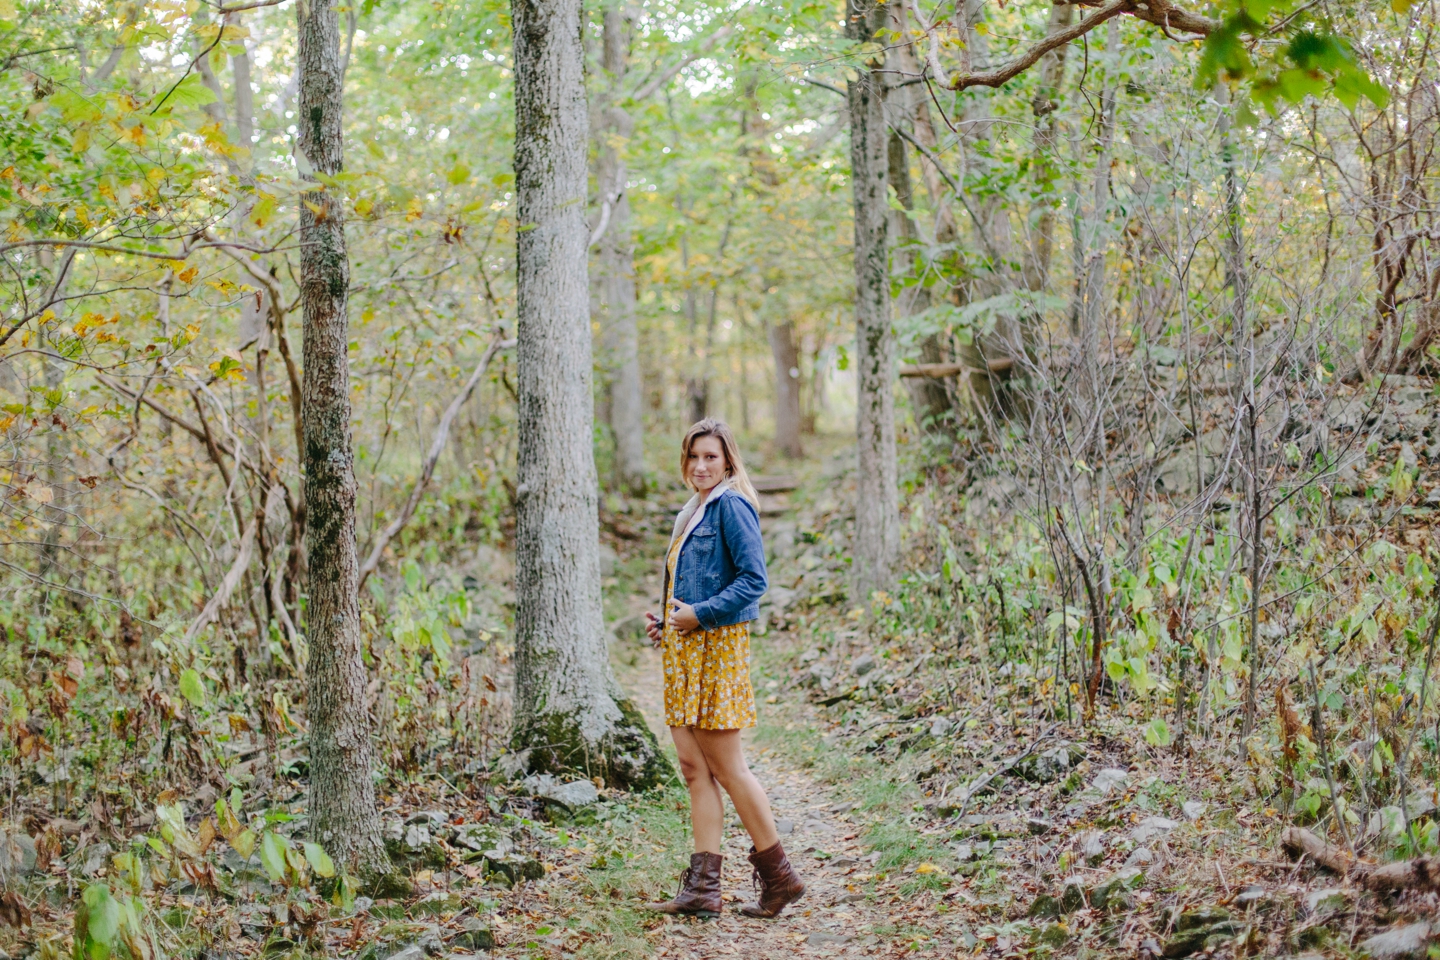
(568, 714)
(621, 339)
(877, 509)
(787, 387)
(342, 795)
(928, 397)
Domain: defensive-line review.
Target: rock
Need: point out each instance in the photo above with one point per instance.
(484, 838)
(17, 854)
(1092, 846)
(964, 852)
(1193, 809)
(940, 727)
(1198, 917)
(1108, 779)
(417, 836)
(1195, 928)
(1411, 940)
(1054, 935)
(1045, 907)
(840, 808)
(863, 665)
(438, 904)
(808, 655)
(1038, 826)
(1331, 900)
(475, 936)
(575, 793)
(822, 938)
(1114, 893)
(1408, 459)
(1251, 894)
(1152, 827)
(94, 858)
(1073, 897)
(1049, 765)
(431, 818)
(1140, 857)
(784, 827)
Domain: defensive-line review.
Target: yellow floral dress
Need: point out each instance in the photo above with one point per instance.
(707, 672)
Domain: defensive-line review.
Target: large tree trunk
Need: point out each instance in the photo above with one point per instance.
(787, 387)
(928, 398)
(877, 510)
(568, 717)
(343, 817)
(621, 339)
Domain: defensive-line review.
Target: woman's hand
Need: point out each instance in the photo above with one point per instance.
(683, 616)
(654, 629)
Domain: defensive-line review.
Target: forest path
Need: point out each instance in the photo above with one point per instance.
(835, 918)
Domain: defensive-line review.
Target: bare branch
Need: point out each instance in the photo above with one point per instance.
(665, 76)
(427, 470)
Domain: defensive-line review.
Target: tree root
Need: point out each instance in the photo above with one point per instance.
(1421, 873)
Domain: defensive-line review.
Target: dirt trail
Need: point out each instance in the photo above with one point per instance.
(834, 919)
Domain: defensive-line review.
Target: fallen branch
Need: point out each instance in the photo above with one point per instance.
(1421, 873)
(1002, 768)
(236, 571)
(939, 371)
(427, 470)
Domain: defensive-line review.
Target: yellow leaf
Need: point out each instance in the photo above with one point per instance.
(414, 210)
(927, 868)
(189, 274)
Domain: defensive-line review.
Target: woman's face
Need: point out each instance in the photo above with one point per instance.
(707, 463)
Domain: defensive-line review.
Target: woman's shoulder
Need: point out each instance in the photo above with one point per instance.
(732, 500)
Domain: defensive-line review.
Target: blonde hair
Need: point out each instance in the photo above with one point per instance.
(734, 466)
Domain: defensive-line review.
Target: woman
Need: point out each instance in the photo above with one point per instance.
(714, 577)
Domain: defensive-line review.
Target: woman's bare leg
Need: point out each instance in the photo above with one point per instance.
(725, 759)
(707, 807)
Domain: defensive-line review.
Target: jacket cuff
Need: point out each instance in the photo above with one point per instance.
(703, 614)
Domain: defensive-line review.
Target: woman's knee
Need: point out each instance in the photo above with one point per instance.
(694, 771)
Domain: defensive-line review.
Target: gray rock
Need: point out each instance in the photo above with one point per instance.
(1408, 459)
(1411, 940)
(1350, 509)
(1251, 894)
(476, 936)
(863, 665)
(429, 817)
(963, 852)
(1038, 826)
(1193, 809)
(784, 827)
(1140, 857)
(1324, 903)
(821, 938)
(17, 854)
(1152, 827)
(1092, 846)
(940, 727)
(417, 836)
(1108, 779)
(575, 793)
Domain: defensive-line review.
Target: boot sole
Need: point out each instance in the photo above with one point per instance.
(760, 916)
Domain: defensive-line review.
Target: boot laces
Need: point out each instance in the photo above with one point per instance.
(684, 881)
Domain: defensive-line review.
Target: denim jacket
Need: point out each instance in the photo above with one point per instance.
(721, 568)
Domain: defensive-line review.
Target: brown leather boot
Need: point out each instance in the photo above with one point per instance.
(699, 894)
(777, 882)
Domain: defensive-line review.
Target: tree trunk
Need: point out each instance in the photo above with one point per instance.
(342, 794)
(787, 387)
(621, 340)
(877, 510)
(928, 398)
(1044, 108)
(568, 716)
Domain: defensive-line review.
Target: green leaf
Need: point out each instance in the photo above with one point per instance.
(458, 174)
(102, 921)
(319, 860)
(192, 688)
(272, 854)
(190, 92)
(1157, 733)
